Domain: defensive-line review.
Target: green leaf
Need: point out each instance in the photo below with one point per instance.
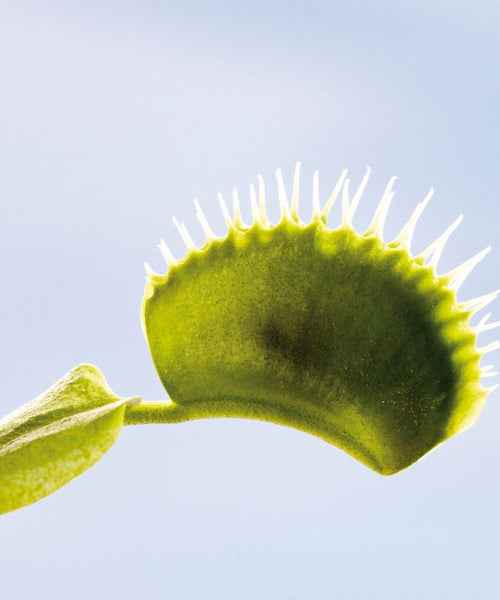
(342, 334)
(57, 436)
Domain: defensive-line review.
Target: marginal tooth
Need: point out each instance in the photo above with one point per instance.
(346, 221)
(238, 221)
(489, 347)
(285, 211)
(149, 271)
(405, 236)
(203, 222)
(294, 208)
(333, 196)
(316, 208)
(487, 368)
(491, 389)
(477, 304)
(262, 201)
(167, 254)
(184, 233)
(479, 327)
(225, 212)
(488, 327)
(458, 275)
(436, 248)
(376, 227)
(490, 374)
(358, 194)
(255, 206)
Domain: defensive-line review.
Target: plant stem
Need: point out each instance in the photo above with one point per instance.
(159, 412)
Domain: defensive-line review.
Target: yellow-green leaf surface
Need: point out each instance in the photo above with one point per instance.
(334, 332)
(57, 436)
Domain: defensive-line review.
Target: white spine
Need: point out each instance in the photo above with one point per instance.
(149, 271)
(483, 324)
(316, 208)
(489, 348)
(285, 211)
(238, 222)
(225, 211)
(376, 227)
(254, 205)
(477, 304)
(435, 249)
(346, 221)
(490, 374)
(184, 233)
(294, 208)
(351, 209)
(333, 196)
(262, 201)
(459, 274)
(405, 236)
(203, 222)
(167, 254)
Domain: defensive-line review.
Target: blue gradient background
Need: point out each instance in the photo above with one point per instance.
(113, 117)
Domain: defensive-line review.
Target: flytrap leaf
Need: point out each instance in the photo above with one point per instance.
(341, 334)
(57, 436)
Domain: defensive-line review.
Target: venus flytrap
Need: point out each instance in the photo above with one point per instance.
(342, 335)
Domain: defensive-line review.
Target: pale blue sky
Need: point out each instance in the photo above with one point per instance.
(113, 117)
